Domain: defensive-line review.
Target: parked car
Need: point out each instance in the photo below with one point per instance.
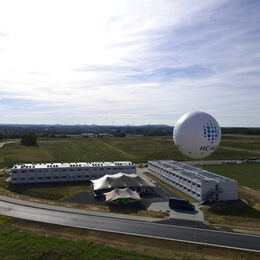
(176, 203)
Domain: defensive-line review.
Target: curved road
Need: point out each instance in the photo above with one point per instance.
(67, 217)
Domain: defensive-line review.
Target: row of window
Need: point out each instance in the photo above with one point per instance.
(180, 186)
(71, 165)
(180, 178)
(55, 177)
(186, 189)
(73, 169)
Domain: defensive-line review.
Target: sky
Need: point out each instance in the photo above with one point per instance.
(129, 62)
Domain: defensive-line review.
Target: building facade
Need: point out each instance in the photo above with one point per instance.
(66, 172)
(197, 183)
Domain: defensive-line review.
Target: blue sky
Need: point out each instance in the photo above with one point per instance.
(129, 62)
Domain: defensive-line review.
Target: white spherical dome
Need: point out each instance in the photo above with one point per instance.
(197, 134)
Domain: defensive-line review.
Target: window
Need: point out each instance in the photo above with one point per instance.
(56, 177)
(79, 169)
(23, 171)
(48, 178)
(15, 179)
(31, 178)
(64, 177)
(14, 171)
(39, 178)
(23, 179)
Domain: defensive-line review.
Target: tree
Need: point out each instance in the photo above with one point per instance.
(29, 139)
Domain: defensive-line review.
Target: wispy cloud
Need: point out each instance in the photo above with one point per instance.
(130, 62)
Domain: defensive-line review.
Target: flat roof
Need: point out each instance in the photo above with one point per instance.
(70, 164)
(191, 171)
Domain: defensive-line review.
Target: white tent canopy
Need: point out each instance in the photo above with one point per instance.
(125, 193)
(120, 180)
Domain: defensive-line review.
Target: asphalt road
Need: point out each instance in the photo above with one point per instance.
(139, 228)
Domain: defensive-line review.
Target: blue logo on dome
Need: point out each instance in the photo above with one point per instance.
(211, 131)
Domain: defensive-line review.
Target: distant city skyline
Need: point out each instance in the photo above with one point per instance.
(130, 62)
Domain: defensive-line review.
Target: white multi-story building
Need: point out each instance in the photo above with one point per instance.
(197, 183)
(65, 172)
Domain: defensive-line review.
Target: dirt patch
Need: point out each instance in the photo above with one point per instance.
(147, 246)
(240, 224)
(252, 197)
(243, 216)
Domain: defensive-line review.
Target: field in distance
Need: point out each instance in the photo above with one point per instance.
(136, 149)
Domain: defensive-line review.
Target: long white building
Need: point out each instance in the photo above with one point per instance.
(197, 183)
(65, 172)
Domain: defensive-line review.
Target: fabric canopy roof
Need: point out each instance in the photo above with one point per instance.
(120, 180)
(125, 193)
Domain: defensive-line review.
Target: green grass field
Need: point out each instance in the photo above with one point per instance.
(28, 245)
(51, 191)
(242, 142)
(136, 149)
(246, 174)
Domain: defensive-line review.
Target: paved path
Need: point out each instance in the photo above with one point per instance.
(239, 149)
(117, 149)
(7, 142)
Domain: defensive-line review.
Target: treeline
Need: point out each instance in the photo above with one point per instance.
(61, 131)
(16, 131)
(240, 130)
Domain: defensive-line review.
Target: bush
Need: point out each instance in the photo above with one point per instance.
(29, 139)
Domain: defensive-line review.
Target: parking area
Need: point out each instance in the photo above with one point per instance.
(163, 205)
(155, 199)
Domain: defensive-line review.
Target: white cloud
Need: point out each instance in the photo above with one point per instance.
(132, 62)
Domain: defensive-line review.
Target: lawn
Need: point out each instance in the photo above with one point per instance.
(28, 245)
(136, 149)
(60, 151)
(246, 174)
(241, 142)
(51, 191)
(154, 148)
